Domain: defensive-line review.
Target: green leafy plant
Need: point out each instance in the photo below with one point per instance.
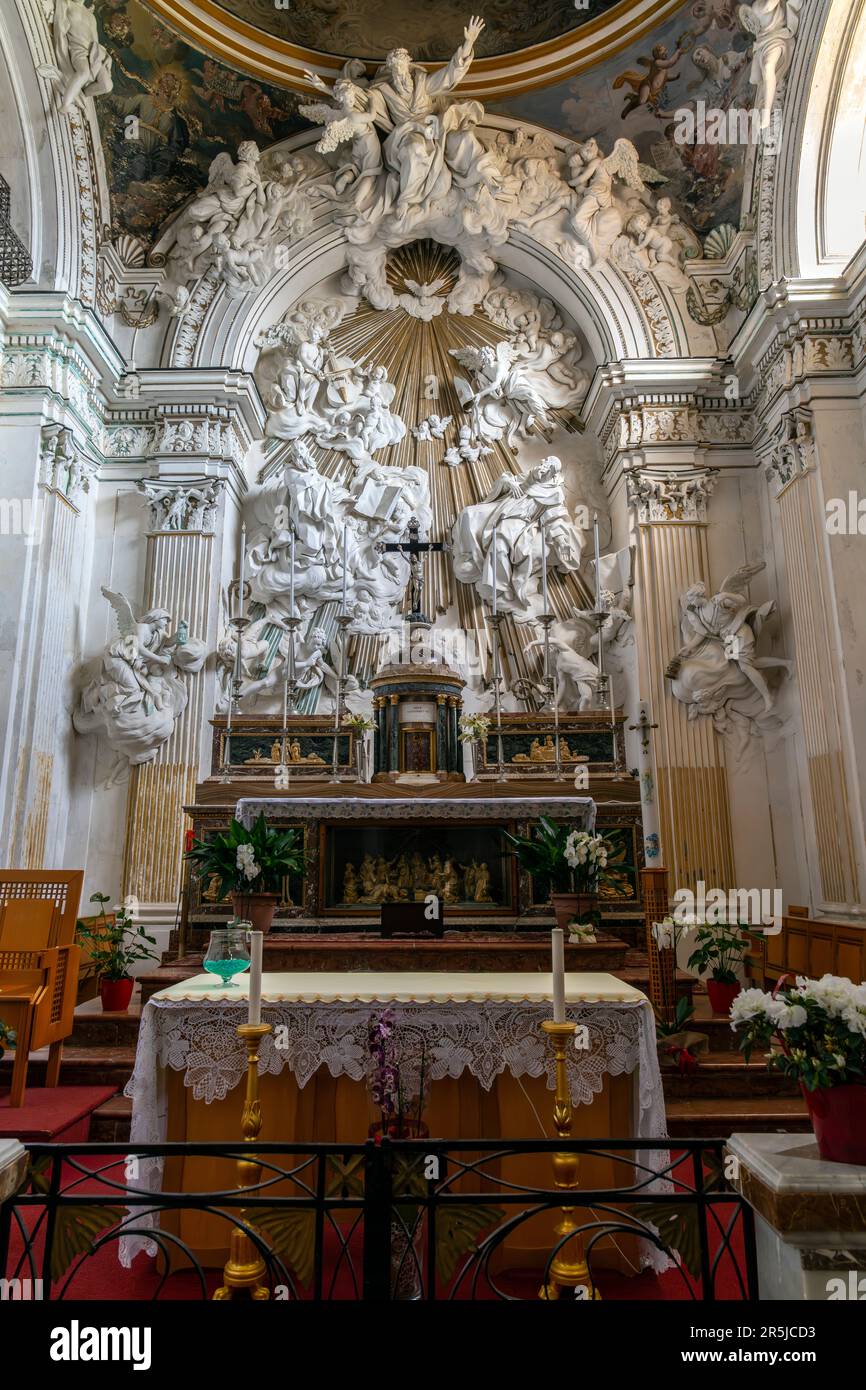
(817, 1026)
(720, 949)
(8, 1037)
(248, 861)
(569, 860)
(683, 1013)
(114, 946)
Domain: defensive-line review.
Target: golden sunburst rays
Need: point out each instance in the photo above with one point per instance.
(416, 356)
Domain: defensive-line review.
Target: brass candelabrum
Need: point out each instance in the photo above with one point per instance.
(290, 692)
(544, 692)
(238, 622)
(344, 620)
(495, 621)
(245, 1270)
(568, 1268)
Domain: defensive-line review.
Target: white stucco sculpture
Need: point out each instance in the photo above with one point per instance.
(575, 673)
(415, 168)
(519, 508)
(236, 224)
(138, 693)
(603, 208)
(716, 672)
(774, 25)
(84, 66)
(309, 389)
(374, 508)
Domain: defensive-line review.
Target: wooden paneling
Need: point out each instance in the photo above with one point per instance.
(808, 947)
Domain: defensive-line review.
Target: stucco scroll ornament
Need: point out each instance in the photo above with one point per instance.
(774, 25)
(717, 673)
(235, 225)
(83, 66)
(138, 693)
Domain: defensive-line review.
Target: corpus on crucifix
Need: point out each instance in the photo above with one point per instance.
(415, 549)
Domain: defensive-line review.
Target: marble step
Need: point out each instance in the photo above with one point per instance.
(692, 1119)
(95, 1029)
(713, 1119)
(88, 1065)
(727, 1075)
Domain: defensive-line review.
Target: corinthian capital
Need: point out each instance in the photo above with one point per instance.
(670, 495)
(189, 505)
(793, 451)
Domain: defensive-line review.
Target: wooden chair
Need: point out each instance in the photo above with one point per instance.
(39, 963)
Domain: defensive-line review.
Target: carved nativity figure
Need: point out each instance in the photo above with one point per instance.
(138, 694)
(518, 508)
(716, 671)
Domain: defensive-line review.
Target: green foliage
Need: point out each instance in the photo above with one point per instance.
(278, 853)
(114, 946)
(720, 949)
(8, 1036)
(542, 853)
(814, 1042)
(682, 1015)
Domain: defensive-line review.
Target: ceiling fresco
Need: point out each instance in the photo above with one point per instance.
(369, 28)
(189, 106)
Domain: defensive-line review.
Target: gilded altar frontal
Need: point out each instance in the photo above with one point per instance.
(432, 525)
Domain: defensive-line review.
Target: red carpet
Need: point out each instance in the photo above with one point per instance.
(52, 1114)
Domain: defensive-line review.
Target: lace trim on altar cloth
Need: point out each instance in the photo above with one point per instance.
(581, 810)
(486, 1041)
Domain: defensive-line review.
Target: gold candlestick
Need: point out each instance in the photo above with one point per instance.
(568, 1269)
(245, 1269)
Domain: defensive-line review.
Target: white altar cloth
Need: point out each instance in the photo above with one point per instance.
(483, 1023)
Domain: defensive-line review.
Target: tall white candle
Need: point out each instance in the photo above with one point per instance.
(495, 576)
(241, 570)
(292, 579)
(345, 564)
(557, 952)
(544, 604)
(255, 1010)
(597, 563)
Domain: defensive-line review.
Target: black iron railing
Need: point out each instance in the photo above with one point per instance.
(425, 1219)
(15, 261)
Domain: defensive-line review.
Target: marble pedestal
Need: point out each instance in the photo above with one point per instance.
(810, 1217)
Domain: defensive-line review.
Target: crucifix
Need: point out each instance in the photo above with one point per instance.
(415, 549)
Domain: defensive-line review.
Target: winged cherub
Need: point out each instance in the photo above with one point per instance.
(598, 220)
(504, 398)
(348, 120)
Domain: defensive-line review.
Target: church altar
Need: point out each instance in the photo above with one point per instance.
(579, 810)
(490, 1068)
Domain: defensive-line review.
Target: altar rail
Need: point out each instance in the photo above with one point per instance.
(375, 1221)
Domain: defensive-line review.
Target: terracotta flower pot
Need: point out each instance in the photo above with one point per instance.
(257, 908)
(722, 995)
(569, 905)
(116, 994)
(838, 1115)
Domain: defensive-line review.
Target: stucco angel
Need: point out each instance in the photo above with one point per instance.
(84, 65)
(348, 120)
(716, 671)
(137, 696)
(503, 399)
(599, 217)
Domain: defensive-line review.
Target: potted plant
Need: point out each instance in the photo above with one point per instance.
(720, 949)
(474, 729)
(817, 1031)
(573, 862)
(8, 1037)
(113, 947)
(250, 865)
